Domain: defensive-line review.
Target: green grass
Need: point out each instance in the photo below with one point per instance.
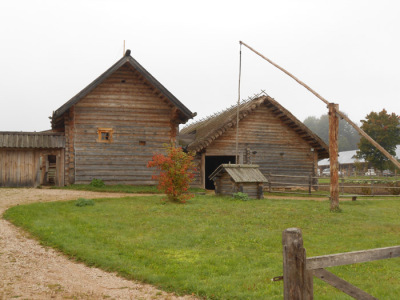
(119, 188)
(216, 247)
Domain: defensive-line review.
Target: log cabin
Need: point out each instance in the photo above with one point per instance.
(114, 126)
(108, 131)
(269, 136)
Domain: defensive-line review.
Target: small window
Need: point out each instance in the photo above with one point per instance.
(105, 135)
(142, 143)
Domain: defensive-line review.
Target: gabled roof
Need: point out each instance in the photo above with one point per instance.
(126, 59)
(241, 173)
(203, 132)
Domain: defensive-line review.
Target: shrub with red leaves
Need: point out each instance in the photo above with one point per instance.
(176, 173)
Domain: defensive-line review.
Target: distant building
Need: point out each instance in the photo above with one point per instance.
(347, 161)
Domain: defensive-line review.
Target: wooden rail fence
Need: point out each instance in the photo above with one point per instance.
(348, 187)
(298, 270)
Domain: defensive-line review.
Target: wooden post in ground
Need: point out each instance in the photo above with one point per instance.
(297, 280)
(333, 155)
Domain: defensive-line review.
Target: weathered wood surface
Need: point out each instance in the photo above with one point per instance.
(142, 122)
(224, 185)
(31, 140)
(297, 280)
(279, 149)
(333, 155)
(251, 189)
(21, 167)
(342, 285)
(341, 259)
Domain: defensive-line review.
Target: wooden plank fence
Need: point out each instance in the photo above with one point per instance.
(298, 270)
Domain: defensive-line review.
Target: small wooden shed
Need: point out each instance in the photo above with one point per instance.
(29, 159)
(233, 178)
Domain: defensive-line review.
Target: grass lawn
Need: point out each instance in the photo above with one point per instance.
(120, 188)
(218, 247)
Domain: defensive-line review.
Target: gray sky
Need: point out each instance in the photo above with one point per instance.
(348, 51)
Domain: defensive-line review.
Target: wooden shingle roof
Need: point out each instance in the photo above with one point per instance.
(32, 140)
(126, 59)
(241, 173)
(201, 134)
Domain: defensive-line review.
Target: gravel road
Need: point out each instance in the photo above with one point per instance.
(31, 271)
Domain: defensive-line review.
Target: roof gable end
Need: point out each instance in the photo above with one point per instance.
(126, 59)
(207, 130)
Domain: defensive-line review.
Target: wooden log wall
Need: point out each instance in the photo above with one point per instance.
(141, 123)
(280, 150)
(251, 189)
(225, 185)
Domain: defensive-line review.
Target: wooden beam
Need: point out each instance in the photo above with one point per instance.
(340, 259)
(297, 281)
(380, 148)
(333, 155)
(287, 73)
(371, 140)
(342, 285)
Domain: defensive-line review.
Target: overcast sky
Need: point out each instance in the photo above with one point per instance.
(348, 51)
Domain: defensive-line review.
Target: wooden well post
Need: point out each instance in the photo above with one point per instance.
(333, 154)
(297, 280)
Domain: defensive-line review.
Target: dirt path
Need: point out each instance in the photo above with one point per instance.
(30, 271)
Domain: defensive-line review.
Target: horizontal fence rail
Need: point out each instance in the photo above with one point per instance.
(298, 270)
(348, 187)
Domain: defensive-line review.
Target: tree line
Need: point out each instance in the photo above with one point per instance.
(382, 126)
(348, 136)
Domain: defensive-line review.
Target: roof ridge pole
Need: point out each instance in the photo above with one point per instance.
(238, 105)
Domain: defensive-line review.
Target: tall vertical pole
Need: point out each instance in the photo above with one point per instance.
(238, 106)
(333, 155)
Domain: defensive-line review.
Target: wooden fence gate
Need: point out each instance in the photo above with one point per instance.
(298, 270)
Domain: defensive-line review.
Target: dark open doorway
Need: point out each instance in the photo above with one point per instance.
(212, 162)
(51, 171)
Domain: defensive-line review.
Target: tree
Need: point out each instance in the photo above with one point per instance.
(384, 128)
(348, 136)
(177, 172)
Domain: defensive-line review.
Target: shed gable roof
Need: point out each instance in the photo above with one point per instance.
(241, 173)
(18, 139)
(126, 59)
(201, 134)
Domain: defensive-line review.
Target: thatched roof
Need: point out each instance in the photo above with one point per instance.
(241, 173)
(200, 134)
(129, 60)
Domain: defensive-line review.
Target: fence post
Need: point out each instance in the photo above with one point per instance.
(309, 184)
(269, 183)
(372, 188)
(297, 281)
